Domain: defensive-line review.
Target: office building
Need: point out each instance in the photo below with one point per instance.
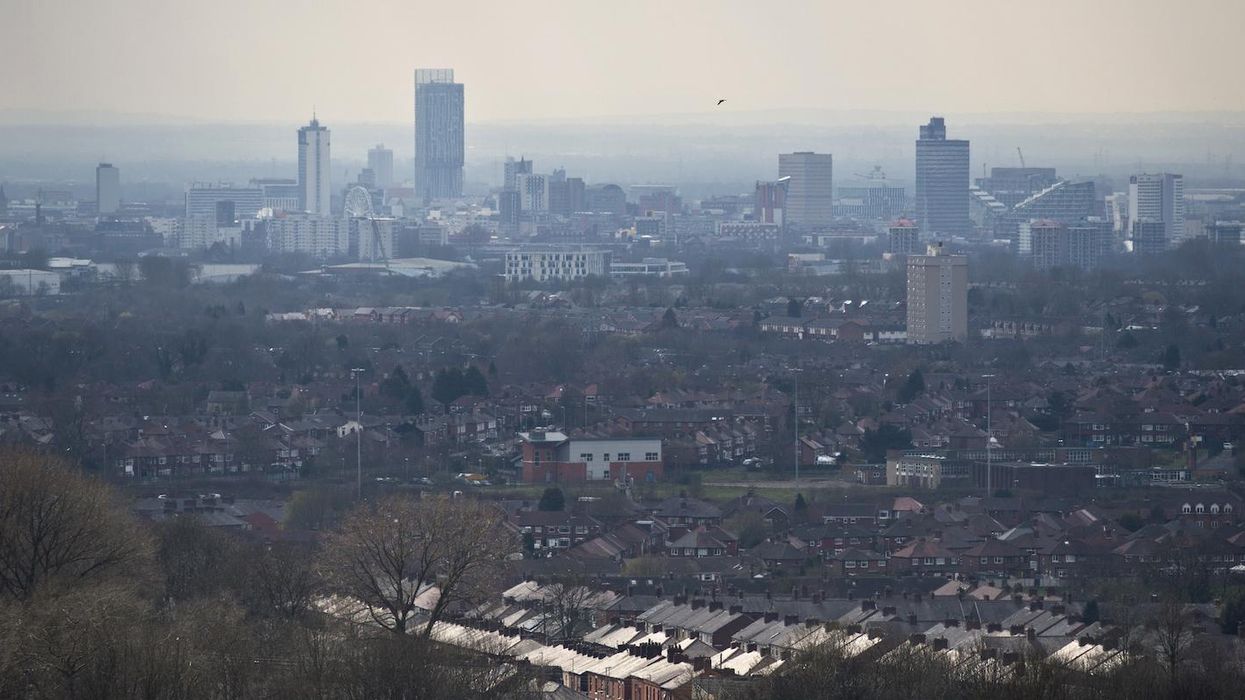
(937, 296)
(810, 188)
(903, 238)
(202, 200)
(566, 196)
(380, 162)
(1158, 198)
(107, 189)
(279, 194)
(1011, 186)
(942, 175)
(563, 264)
(314, 169)
(1147, 237)
(869, 196)
(648, 267)
(1225, 233)
(513, 168)
(770, 204)
(550, 456)
(1116, 205)
(439, 144)
(509, 208)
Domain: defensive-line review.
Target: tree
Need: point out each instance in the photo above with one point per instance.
(1171, 358)
(794, 307)
(913, 387)
(474, 383)
(749, 527)
(552, 500)
(58, 527)
(1233, 615)
(389, 553)
(875, 443)
(1089, 613)
(669, 320)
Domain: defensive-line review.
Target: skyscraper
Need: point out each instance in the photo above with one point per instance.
(107, 188)
(313, 168)
(937, 296)
(1157, 198)
(810, 191)
(439, 146)
(770, 201)
(941, 182)
(380, 162)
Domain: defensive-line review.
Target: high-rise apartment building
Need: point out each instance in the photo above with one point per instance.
(514, 168)
(937, 296)
(1157, 198)
(318, 236)
(942, 176)
(314, 169)
(533, 192)
(903, 238)
(439, 144)
(810, 189)
(380, 162)
(107, 189)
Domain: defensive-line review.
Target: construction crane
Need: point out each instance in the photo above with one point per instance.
(1022, 156)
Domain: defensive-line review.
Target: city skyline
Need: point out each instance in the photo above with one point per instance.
(206, 74)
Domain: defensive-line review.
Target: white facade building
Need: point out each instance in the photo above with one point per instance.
(563, 264)
(597, 455)
(1158, 197)
(533, 191)
(648, 267)
(202, 198)
(313, 168)
(373, 237)
(318, 236)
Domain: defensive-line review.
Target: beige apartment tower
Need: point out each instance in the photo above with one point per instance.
(937, 296)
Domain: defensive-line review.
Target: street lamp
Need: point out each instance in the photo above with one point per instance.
(358, 433)
(989, 435)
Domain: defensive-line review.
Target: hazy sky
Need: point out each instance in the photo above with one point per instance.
(269, 60)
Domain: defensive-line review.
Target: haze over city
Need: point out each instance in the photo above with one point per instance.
(632, 351)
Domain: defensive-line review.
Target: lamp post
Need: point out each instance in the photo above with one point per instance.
(989, 435)
(358, 433)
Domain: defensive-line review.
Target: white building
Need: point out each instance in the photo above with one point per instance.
(810, 191)
(107, 188)
(648, 267)
(563, 264)
(29, 283)
(1158, 197)
(202, 199)
(318, 236)
(533, 191)
(199, 232)
(313, 168)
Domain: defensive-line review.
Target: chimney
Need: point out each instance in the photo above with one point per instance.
(715, 605)
(698, 603)
(1035, 606)
(853, 629)
(950, 622)
(888, 611)
(736, 609)
(1010, 657)
(866, 605)
(680, 600)
(940, 644)
(812, 622)
(912, 618)
(1031, 634)
(917, 639)
(994, 627)
(658, 591)
(988, 654)
(972, 624)
(790, 620)
(771, 617)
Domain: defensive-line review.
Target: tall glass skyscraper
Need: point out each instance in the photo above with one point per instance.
(941, 182)
(439, 144)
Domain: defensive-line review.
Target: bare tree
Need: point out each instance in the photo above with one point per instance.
(59, 526)
(389, 554)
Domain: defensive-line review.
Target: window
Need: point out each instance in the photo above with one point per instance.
(605, 457)
(1200, 508)
(585, 457)
(998, 560)
(1227, 507)
(849, 564)
(624, 456)
(1214, 509)
(650, 457)
(985, 560)
(1070, 558)
(929, 561)
(1186, 508)
(941, 561)
(881, 563)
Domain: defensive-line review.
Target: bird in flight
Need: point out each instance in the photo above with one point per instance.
(721, 101)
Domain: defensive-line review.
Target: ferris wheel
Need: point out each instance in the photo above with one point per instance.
(358, 202)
